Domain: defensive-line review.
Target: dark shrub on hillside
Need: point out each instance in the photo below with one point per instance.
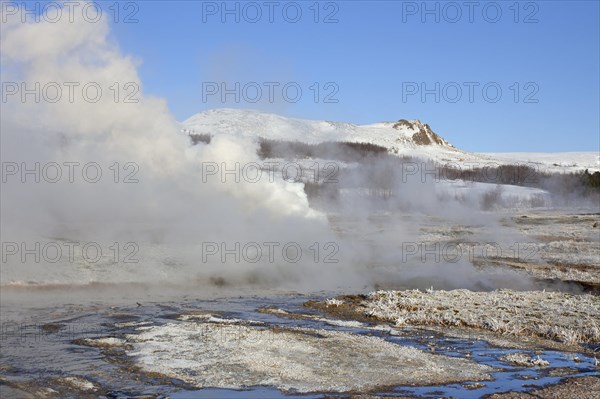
(341, 151)
(591, 180)
(200, 138)
(518, 175)
(365, 148)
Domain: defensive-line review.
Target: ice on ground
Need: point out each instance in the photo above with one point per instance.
(103, 342)
(304, 316)
(299, 359)
(211, 318)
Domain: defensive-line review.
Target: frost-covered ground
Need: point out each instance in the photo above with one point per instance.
(547, 244)
(567, 318)
(566, 246)
(279, 347)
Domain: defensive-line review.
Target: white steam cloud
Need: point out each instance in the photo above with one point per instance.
(169, 214)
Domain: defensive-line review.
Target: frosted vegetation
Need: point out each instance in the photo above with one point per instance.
(566, 318)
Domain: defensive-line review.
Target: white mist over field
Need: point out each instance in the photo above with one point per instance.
(158, 200)
(169, 205)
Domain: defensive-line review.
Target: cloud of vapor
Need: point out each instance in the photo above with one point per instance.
(419, 230)
(167, 211)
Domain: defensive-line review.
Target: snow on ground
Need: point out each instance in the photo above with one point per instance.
(524, 360)
(307, 360)
(552, 161)
(396, 137)
(547, 244)
(271, 126)
(567, 246)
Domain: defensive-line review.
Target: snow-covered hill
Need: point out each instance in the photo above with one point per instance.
(403, 137)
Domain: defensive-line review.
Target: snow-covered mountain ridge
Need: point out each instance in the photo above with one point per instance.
(403, 137)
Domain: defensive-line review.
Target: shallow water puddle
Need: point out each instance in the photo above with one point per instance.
(66, 343)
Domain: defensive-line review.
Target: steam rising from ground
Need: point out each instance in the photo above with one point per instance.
(170, 207)
(170, 211)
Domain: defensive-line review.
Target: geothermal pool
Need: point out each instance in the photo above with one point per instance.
(232, 348)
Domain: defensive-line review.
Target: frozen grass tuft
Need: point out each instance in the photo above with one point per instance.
(334, 302)
(566, 318)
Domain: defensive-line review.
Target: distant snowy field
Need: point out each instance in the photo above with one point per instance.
(552, 161)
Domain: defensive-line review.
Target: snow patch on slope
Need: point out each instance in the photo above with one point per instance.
(270, 126)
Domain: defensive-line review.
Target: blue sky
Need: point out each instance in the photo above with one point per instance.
(543, 55)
